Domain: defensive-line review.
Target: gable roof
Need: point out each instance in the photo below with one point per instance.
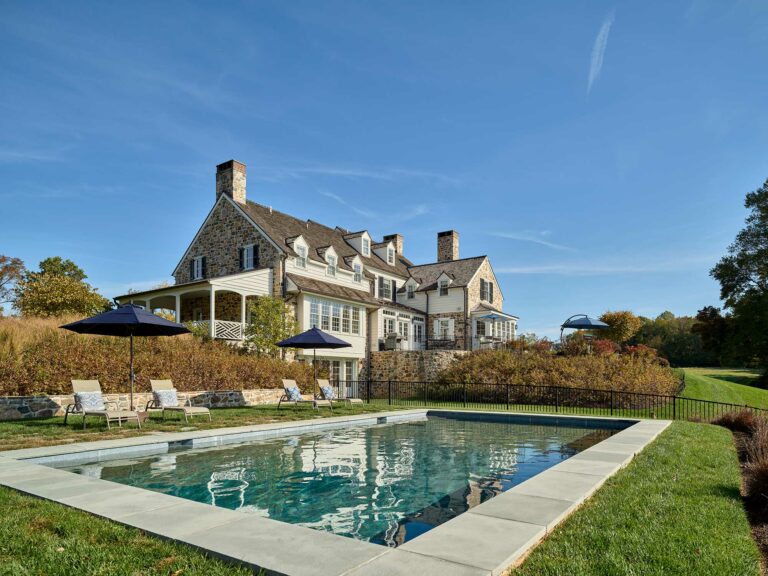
(304, 284)
(282, 227)
(461, 271)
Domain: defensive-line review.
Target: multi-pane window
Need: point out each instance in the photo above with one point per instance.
(355, 320)
(444, 329)
(391, 256)
(410, 291)
(385, 288)
(349, 371)
(403, 329)
(336, 318)
(418, 331)
(486, 290)
(314, 314)
(325, 320)
(301, 259)
(366, 247)
(335, 370)
(345, 314)
(198, 268)
(331, 270)
(480, 328)
(249, 257)
(443, 287)
(358, 273)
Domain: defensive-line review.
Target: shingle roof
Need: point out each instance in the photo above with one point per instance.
(333, 290)
(282, 227)
(461, 271)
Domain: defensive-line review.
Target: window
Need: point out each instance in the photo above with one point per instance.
(358, 273)
(197, 268)
(385, 288)
(325, 323)
(410, 292)
(391, 256)
(301, 259)
(444, 329)
(349, 371)
(403, 329)
(335, 370)
(336, 318)
(314, 313)
(418, 332)
(486, 290)
(480, 328)
(249, 257)
(366, 247)
(389, 326)
(331, 270)
(355, 320)
(443, 287)
(345, 314)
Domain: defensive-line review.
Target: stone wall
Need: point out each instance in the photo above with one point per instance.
(460, 327)
(220, 240)
(20, 407)
(411, 366)
(485, 272)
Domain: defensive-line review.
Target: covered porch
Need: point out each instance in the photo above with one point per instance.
(219, 305)
(491, 328)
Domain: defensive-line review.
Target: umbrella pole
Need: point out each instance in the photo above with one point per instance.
(132, 377)
(314, 371)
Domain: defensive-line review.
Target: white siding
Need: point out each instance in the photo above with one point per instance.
(256, 283)
(316, 271)
(358, 342)
(453, 302)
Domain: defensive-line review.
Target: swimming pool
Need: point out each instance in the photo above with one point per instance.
(385, 484)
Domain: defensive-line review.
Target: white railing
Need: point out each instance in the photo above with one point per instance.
(227, 330)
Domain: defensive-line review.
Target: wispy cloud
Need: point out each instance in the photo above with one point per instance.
(415, 212)
(277, 173)
(598, 50)
(340, 200)
(534, 238)
(604, 269)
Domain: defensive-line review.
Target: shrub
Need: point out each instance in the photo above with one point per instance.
(604, 347)
(36, 357)
(743, 421)
(623, 373)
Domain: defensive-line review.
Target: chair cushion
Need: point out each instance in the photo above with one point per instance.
(294, 394)
(166, 398)
(328, 393)
(85, 401)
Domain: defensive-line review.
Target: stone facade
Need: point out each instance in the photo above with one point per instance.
(447, 246)
(461, 327)
(230, 180)
(485, 272)
(22, 407)
(220, 240)
(411, 366)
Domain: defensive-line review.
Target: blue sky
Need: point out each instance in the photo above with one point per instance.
(598, 152)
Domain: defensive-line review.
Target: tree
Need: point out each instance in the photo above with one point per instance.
(271, 321)
(58, 288)
(743, 277)
(11, 271)
(675, 340)
(623, 325)
(712, 328)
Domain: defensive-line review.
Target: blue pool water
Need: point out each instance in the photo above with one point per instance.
(384, 484)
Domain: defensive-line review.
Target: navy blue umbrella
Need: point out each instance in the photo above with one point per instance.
(582, 322)
(128, 320)
(314, 338)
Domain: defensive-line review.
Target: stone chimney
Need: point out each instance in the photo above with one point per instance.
(230, 180)
(397, 240)
(447, 246)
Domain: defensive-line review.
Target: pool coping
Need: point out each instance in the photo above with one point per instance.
(487, 539)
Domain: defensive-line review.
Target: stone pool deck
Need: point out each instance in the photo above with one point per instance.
(487, 539)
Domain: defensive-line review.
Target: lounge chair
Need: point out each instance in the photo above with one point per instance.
(327, 393)
(90, 402)
(292, 395)
(165, 398)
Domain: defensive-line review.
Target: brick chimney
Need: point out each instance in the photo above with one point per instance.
(230, 180)
(447, 246)
(397, 240)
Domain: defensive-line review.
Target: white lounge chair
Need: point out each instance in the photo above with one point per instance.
(90, 402)
(165, 397)
(328, 393)
(292, 395)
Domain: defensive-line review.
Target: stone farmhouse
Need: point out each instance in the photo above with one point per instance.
(346, 283)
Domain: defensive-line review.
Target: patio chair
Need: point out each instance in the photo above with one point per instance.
(327, 392)
(90, 402)
(292, 395)
(165, 397)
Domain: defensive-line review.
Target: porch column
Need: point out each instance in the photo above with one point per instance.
(211, 328)
(242, 311)
(147, 305)
(178, 308)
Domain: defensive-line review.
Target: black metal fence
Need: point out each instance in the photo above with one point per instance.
(542, 399)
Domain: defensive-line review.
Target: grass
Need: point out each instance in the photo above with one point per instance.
(33, 433)
(676, 509)
(42, 537)
(731, 385)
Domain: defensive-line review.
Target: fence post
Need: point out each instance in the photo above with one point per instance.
(674, 404)
(611, 402)
(464, 390)
(368, 391)
(507, 396)
(426, 392)
(557, 399)
(389, 392)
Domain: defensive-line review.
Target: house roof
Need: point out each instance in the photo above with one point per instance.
(282, 227)
(321, 288)
(398, 306)
(485, 308)
(461, 271)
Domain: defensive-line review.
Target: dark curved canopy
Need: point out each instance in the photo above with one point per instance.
(313, 338)
(127, 320)
(584, 322)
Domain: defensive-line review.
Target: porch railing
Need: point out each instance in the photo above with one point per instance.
(538, 399)
(227, 330)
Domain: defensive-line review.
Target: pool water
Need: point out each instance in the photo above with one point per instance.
(385, 484)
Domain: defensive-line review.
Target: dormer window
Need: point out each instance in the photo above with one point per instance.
(358, 273)
(410, 292)
(366, 247)
(331, 270)
(443, 287)
(301, 258)
(249, 257)
(391, 256)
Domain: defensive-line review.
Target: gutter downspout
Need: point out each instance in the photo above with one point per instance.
(467, 325)
(426, 344)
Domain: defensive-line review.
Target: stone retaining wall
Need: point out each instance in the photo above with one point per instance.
(412, 366)
(19, 407)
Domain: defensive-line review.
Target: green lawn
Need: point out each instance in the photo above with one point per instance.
(675, 509)
(731, 385)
